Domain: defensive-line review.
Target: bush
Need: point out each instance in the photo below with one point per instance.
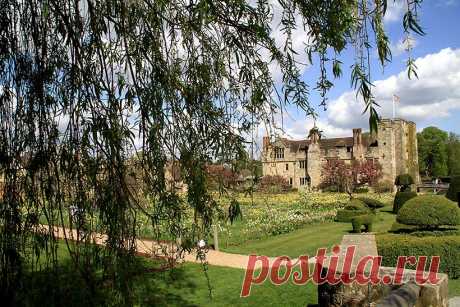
(354, 208)
(429, 211)
(401, 198)
(416, 231)
(401, 228)
(454, 189)
(345, 216)
(274, 184)
(390, 246)
(330, 188)
(359, 221)
(372, 203)
(385, 186)
(404, 182)
(361, 190)
(355, 204)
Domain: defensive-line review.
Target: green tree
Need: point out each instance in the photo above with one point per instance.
(453, 154)
(85, 84)
(432, 151)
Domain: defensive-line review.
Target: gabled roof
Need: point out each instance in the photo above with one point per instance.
(296, 145)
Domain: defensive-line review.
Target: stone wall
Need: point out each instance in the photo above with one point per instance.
(288, 167)
(395, 147)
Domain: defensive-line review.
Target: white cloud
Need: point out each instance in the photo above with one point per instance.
(395, 11)
(436, 94)
(427, 100)
(299, 38)
(403, 45)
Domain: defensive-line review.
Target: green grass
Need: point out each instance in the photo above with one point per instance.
(226, 284)
(308, 239)
(185, 285)
(454, 287)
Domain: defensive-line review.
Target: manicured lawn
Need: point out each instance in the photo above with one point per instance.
(269, 215)
(226, 284)
(185, 285)
(308, 239)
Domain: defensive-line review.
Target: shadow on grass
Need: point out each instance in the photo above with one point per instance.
(67, 286)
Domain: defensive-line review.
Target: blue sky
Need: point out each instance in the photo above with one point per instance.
(433, 99)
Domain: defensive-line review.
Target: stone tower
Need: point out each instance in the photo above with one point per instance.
(314, 160)
(397, 144)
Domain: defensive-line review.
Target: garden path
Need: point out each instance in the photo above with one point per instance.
(150, 248)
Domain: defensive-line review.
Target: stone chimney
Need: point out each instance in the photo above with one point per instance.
(314, 135)
(265, 143)
(358, 150)
(357, 137)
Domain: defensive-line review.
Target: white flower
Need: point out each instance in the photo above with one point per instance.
(201, 243)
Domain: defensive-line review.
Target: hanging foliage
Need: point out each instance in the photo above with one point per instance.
(87, 87)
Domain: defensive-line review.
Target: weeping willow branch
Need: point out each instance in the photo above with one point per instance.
(100, 98)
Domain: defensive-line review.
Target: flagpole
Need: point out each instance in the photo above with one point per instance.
(394, 112)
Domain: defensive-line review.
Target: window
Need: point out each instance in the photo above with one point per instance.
(303, 180)
(279, 153)
(287, 166)
(348, 149)
(290, 181)
(302, 164)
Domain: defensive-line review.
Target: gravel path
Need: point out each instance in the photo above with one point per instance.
(151, 248)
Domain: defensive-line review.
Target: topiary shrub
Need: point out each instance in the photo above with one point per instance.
(372, 203)
(353, 208)
(404, 181)
(429, 212)
(345, 216)
(401, 198)
(454, 189)
(362, 220)
(355, 204)
(391, 246)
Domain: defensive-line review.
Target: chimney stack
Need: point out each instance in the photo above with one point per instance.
(265, 143)
(314, 135)
(357, 137)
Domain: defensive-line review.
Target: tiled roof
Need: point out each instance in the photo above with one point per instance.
(295, 145)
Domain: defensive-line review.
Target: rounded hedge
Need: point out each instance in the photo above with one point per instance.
(372, 203)
(429, 211)
(454, 189)
(401, 198)
(354, 208)
(355, 204)
(404, 181)
(345, 216)
(360, 220)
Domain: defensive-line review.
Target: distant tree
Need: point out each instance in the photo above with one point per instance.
(432, 151)
(274, 184)
(220, 176)
(453, 154)
(346, 177)
(337, 173)
(369, 172)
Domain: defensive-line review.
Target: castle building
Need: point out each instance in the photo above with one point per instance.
(301, 161)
